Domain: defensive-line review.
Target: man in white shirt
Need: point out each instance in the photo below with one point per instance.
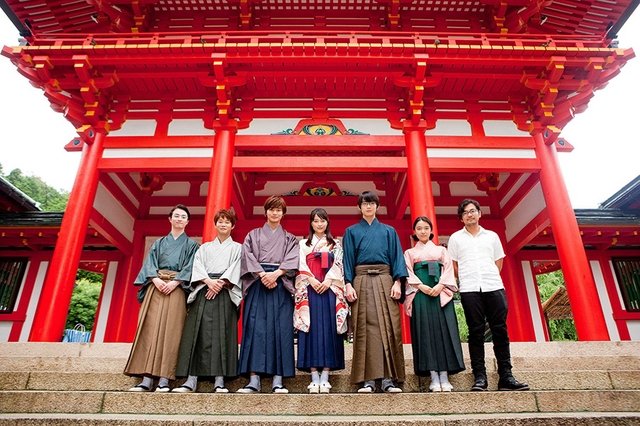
(477, 254)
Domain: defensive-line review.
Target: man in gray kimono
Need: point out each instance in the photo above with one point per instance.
(269, 265)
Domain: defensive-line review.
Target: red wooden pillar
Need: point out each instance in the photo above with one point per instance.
(53, 306)
(519, 320)
(123, 315)
(420, 192)
(220, 179)
(581, 288)
(419, 176)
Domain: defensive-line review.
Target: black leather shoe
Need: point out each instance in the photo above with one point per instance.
(511, 384)
(480, 384)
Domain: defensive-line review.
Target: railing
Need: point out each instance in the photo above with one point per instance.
(339, 38)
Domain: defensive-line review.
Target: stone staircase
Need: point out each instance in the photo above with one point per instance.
(572, 383)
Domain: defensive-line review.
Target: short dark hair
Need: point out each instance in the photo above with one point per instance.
(181, 207)
(422, 219)
(226, 214)
(275, 202)
(368, 197)
(464, 203)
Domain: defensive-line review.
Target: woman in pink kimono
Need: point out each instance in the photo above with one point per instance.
(434, 328)
(320, 306)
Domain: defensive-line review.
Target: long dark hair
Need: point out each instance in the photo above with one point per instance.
(322, 214)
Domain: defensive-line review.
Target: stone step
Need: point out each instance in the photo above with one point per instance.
(538, 380)
(111, 357)
(510, 419)
(313, 405)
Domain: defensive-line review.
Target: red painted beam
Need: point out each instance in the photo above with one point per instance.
(110, 232)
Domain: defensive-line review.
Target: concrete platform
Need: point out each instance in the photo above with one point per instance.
(517, 419)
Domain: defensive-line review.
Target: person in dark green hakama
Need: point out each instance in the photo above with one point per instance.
(209, 344)
(434, 328)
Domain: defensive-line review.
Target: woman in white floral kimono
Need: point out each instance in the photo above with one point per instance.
(321, 309)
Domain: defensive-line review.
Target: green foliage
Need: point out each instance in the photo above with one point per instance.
(463, 330)
(84, 302)
(562, 329)
(83, 274)
(50, 199)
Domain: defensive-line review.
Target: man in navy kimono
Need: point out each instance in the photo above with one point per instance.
(374, 271)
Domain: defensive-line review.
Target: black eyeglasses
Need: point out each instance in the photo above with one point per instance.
(469, 212)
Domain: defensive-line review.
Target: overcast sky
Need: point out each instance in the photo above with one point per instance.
(605, 137)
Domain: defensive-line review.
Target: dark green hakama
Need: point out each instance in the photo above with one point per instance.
(209, 345)
(434, 331)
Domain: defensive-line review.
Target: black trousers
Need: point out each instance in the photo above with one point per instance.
(487, 307)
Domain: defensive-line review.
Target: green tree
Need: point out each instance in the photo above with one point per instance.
(84, 302)
(50, 199)
(559, 329)
(463, 330)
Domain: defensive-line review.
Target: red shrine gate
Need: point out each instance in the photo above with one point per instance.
(221, 104)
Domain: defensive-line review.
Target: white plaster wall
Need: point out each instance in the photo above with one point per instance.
(5, 330)
(190, 127)
(105, 304)
(136, 128)
(124, 189)
(108, 207)
(378, 127)
(268, 126)
(634, 329)
(513, 189)
(33, 302)
(532, 298)
(480, 152)
(502, 128)
(614, 336)
(530, 206)
(451, 128)
(158, 153)
(164, 211)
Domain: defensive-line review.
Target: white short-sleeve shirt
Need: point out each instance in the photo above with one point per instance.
(476, 256)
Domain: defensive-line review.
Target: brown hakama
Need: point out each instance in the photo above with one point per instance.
(377, 332)
(155, 349)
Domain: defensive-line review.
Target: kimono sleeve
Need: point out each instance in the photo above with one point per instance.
(149, 268)
(349, 256)
(232, 273)
(447, 277)
(413, 279)
(398, 265)
(336, 271)
(186, 263)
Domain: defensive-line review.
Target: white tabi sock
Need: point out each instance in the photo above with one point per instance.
(444, 377)
(315, 377)
(277, 382)
(147, 382)
(192, 382)
(324, 378)
(435, 377)
(219, 382)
